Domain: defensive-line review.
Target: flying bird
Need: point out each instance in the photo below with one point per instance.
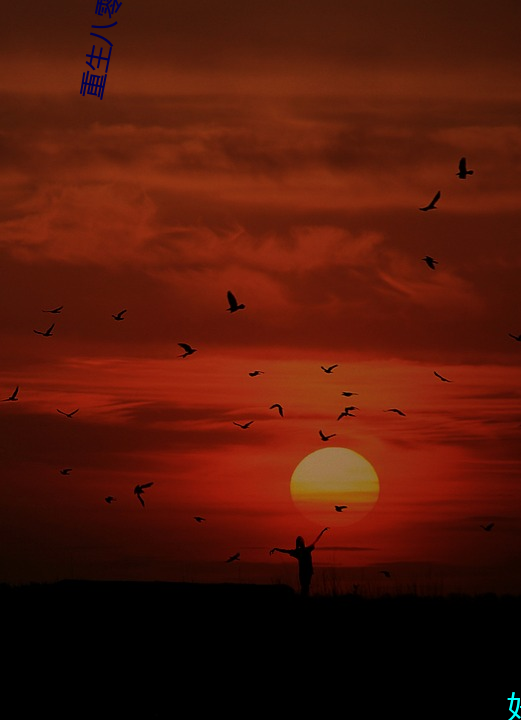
(329, 369)
(386, 573)
(55, 310)
(349, 394)
(47, 332)
(119, 315)
(432, 204)
(65, 471)
(199, 519)
(70, 414)
(254, 373)
(140, 489)
(325, 438)
(233, 305)
(244, 426)
(488, 527)
(395, 410)
(12, 397)
(462, 169)
(347, 412)
(278, 407)
(188, 349)
(431, 262)
(339, 508)
(443, 379)
(233, 557)
(110, 499)
(516, 337)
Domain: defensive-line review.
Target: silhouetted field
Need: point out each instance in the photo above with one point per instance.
(229, 606)
(120, 646)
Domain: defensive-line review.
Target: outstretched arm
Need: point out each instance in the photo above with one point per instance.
(320, 535)
(281, 550)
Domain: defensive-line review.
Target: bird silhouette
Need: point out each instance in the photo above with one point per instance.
(339, 508)
(385, 573)
(14, 395)
(244, 426)
(46, 333)
(188, 350)
(432, 204)
(140, 489)
(395, 410)
(233, 557)
(488, 527)
(443, 379)
(119, 315)
(66, 471)
(254, 373)
(349, 394)
(278, 407)
(325, 438)
(347, 412)
(110, 499)
(55, 310)
(199, 519)
(516, 337)
(462, 169)
(431, 262)
(233, 305)
(329, 369)
(70, 414)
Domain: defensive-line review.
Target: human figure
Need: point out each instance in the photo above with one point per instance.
(302, 553)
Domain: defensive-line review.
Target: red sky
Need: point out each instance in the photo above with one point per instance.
(280, 150)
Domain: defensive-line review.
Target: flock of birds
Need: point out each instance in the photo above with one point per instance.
(233, 307)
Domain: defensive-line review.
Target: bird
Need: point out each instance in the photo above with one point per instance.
(386, 573)
(347, 412)
(70, 414)
(233, 557)
(278, 407)
(443, 379)
(65, 471)
(244, 426)
(110, 499)
(55, 310)
(395, 410)
(199, 519)
(349, 394)
(254, 373)
(516, 337)
(431, 262)
(488, 527)
(339, 508)
(119, 315)
(140, 489)
(329, 369)
(432, 204)
(47, 332)
(233, 305)
(13, 397)
(325, 438)
(462, 169)
(188, 349)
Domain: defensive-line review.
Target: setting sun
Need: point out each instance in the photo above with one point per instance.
(334, 486)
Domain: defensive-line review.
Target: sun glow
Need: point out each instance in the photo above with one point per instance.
(334, 487)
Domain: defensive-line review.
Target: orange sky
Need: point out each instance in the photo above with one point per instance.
(280, 150)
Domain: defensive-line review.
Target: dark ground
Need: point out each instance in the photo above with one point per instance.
(122, 644)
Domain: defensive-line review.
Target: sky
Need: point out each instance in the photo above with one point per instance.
(280, 151)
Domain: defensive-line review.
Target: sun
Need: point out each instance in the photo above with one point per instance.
(330, 478)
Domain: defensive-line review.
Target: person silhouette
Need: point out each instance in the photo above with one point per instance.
(303, 554)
